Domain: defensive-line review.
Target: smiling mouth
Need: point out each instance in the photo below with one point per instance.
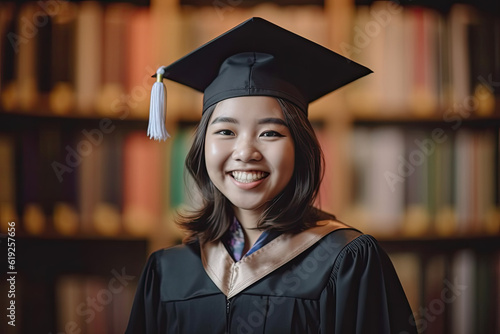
(248, 177)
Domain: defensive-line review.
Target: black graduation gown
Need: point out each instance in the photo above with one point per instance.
(329, 279)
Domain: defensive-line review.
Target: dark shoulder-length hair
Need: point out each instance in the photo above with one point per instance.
(290, 211)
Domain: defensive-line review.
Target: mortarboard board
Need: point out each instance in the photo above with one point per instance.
(256, 57)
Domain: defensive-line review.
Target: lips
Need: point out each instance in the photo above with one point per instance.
(248, 176)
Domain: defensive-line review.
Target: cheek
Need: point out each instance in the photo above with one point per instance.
(209, 156)
(214, 156)
(210, 148)
(285, 159)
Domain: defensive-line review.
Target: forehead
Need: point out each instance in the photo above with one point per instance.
(248, 108)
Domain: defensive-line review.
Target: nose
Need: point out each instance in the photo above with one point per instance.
(245, 150)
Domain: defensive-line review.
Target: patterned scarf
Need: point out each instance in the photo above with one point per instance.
(234, 240)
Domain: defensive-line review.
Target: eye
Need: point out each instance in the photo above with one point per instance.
(271, 134)
(225, 132)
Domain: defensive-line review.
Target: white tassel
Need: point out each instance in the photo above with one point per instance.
(156, 127)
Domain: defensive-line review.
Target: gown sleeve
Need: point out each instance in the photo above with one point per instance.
(145, 309)
(368, 295)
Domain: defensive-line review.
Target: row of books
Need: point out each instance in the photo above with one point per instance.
(455, 291)
(88, 305)
(452, 292)
(425, 63)
(113, 181)
(63, 180)
(89, 57)
(93, 58)
(417, 182)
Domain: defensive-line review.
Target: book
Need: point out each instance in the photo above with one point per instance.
(139, 62)
(463, 174)
(9, 42)
(70, 299)
(114, 48)
(394, 29)
(178, 189)
(62, 92)
(88, 61)
(419, 152)
(385, 194)
(90, 179)
(28, 84)
(443, 68)
(423, 82)
(65, 168)
(32, 213)
(437, 297)
(461, 288)
(107, 215)
(482, 33)
(43, 61)
(484, 175)
(444, 223)
(357, 212)
(98, 313)
(485, 294)
(459, 18)
(7, 182)
(142, 179)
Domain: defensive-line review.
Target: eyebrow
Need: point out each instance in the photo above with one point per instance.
(270, 120)
(224, 120)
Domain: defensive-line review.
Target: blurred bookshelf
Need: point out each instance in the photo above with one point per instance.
(412, 151)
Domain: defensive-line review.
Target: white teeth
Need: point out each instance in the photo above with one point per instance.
(247, 177)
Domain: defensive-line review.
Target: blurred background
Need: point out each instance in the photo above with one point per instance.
(412, 150)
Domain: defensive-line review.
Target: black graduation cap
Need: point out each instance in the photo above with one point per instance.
(258, 57)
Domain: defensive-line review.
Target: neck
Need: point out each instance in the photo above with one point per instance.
(248, 220)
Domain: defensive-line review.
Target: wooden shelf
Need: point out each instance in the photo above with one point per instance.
(434, 122)
(436, 244)
(16, 117)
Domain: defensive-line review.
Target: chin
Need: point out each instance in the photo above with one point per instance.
(248, 206)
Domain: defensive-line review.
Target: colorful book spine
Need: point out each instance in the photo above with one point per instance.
(142, 179)
(7, 182)
(88, 56)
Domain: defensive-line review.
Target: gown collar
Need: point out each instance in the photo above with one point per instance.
(232, 277)
(234, 240)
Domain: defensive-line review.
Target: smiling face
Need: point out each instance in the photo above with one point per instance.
(249, 151)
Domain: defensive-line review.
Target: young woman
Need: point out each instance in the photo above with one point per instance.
(259, 257)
